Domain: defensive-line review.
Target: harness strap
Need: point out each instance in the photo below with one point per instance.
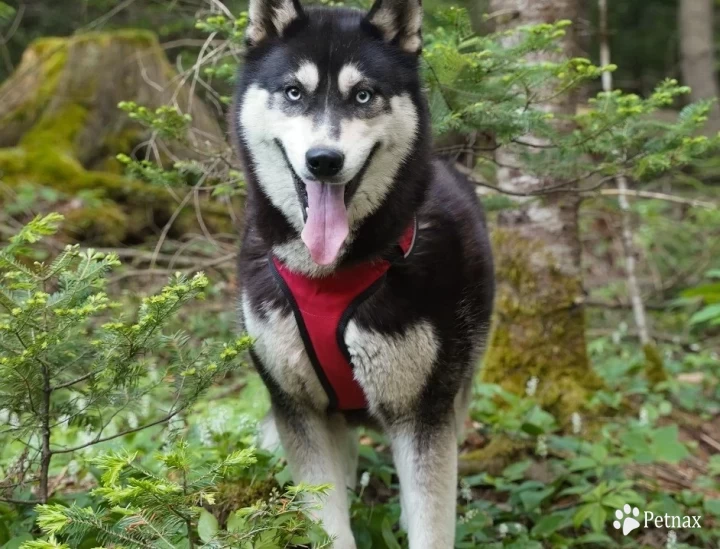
(323, 307)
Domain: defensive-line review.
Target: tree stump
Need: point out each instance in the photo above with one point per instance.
(61, 128)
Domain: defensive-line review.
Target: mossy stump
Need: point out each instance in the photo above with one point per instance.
(539, 327)
(60, 128)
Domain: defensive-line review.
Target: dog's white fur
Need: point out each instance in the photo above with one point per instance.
(278, 343)
(392, 370)
(348, 77)
(308, 76)
(263, 123)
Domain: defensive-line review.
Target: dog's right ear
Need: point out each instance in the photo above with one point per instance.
(399, 22)
(271, 18)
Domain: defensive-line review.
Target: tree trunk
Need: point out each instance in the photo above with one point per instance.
(697, 55)
(539, 329)
(61, 128)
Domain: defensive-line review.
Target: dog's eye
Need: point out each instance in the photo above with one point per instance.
(293, 93)
(363, 96)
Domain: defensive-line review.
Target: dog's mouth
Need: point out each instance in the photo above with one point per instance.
(324, 209)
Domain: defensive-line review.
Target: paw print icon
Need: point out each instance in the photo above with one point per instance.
(627, 519)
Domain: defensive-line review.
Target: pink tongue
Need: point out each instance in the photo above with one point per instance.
(326, 227)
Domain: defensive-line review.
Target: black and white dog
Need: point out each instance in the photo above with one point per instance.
(366, 272)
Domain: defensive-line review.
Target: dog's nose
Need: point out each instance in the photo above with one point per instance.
(324, 162)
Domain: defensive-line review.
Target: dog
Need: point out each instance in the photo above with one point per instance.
(365, 266)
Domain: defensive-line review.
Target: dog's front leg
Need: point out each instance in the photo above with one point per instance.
(426, 462)
(312, 444)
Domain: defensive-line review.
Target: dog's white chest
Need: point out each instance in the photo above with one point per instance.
(391, 369)
(279, 346)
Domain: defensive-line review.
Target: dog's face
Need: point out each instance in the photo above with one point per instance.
(328, 111)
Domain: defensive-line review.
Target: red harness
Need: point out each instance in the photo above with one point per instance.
(323, 307)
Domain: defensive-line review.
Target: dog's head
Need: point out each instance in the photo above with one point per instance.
(328, 111)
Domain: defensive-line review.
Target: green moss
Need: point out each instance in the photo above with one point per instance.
(654, 367)
(48, 145)
(58, 130)
(500, 451)
(538, 329)
(50, 57)
(239, 494)
(136, 37)
(106, 223)
(130, 208)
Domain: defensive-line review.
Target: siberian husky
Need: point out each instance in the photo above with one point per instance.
(366, 272)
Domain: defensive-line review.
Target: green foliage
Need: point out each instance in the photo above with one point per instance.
(140, 508)
(6, 12)
(709, 296)
(73, 366)
(488, 83)
(167, 122)
(230, 29)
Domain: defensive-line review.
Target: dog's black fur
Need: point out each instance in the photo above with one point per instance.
(448, 278)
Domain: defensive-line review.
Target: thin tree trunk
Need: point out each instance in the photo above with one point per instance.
(654, 365)
(45, 452)
(697, 54)
(539, 329)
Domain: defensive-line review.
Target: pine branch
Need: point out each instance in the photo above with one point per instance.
(164, 419)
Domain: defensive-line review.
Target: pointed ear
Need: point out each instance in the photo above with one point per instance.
(399, 22)
(271, 18)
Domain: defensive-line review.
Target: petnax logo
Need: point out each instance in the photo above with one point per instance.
(628, 519)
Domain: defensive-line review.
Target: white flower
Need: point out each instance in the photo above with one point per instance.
(364, 480)
(205, 435)
(465, 491)
(576, 420)
(541, 447)
(671, 542)
(218, 421)
(644, 418)
(531, 386)
(133, 421)
(467, 517)
(503, 530)
(145, 404)
(73, 467)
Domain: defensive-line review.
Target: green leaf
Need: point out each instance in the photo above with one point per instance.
(583, 513)
(516, 470)
(595, 537)
(388, 536)
(598, 518)
(548, 524)
(207, 526)
(582, 463)
(236, 522)
(532, 499)
(17, 541)
(711, 312)
(712, 506)
(666, 445)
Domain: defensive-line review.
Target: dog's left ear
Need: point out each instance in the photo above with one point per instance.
(271, 18)
(399, 22)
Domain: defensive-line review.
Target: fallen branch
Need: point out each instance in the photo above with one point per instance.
(660, 196)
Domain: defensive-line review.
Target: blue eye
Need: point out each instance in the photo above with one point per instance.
(363, 96)
(293, 93)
